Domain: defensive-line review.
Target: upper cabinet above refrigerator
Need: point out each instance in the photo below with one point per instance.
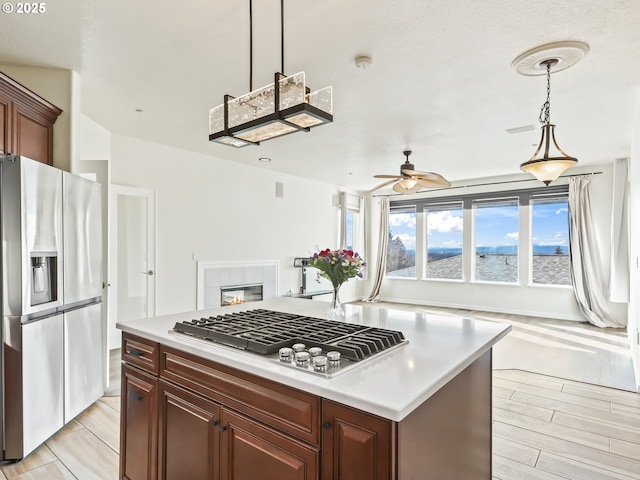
(26, 122)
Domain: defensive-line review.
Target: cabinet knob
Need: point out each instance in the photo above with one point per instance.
(326, 425)
(134, 396)
(214, 422)
(222, 428)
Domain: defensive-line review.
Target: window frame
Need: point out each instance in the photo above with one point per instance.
(525, 239)
(441, 206)
(532, 200)
(405, 209)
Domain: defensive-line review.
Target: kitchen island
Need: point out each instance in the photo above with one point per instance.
(196, 409)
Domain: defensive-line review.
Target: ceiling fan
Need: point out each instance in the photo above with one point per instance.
(410, 181)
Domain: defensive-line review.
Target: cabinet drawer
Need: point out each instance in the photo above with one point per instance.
(249, 450)
(287, 409)
(140, 352)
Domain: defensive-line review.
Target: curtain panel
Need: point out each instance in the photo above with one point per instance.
(587, 279)
(381, 257)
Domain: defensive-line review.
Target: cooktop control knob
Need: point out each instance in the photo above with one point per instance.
(320, 363)
(334, 358)
(315, 351)
(286, 354)
(299, 347)
(302, 359)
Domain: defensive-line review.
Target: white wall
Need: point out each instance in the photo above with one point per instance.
(633, 328)
(552, 302)
(224, 212)
(94, 140)
(56, 86)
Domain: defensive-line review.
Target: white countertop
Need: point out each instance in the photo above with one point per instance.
(391, 386)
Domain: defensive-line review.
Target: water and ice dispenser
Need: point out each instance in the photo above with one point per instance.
(44, 267)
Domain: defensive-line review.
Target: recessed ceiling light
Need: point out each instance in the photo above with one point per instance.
(264, 159)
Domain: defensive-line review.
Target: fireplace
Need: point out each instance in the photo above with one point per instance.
(235, 294)
(213, 277)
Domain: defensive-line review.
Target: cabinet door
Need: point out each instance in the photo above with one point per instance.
(355, 444)
(33, 135)
(249, 451)
(5, 124)
(138, 425)
(189, 435)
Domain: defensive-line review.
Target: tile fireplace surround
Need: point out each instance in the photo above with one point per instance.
(212, 276)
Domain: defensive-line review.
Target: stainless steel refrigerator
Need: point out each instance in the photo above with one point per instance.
(51, 364)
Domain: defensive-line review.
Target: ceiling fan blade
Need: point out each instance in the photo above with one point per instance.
(406, 191)
(387, 176)
(436, 179)
(428, 175)
(382, 185)
(428, 183)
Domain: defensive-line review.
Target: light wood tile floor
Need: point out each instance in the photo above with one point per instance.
(573, 350)
(545, 428)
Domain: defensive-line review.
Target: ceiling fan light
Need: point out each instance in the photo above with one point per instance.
(549, 161)
(408, 183)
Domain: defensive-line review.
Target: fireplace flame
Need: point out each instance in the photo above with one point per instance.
(236, 301)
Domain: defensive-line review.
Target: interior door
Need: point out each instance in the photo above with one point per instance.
(132, 257)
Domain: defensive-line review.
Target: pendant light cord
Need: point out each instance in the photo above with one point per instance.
(251, 45)
(282, 37)
(251, 41)
(544, 117)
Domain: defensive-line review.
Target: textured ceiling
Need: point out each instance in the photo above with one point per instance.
(441, 81)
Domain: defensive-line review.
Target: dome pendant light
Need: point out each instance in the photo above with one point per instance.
(549, 161)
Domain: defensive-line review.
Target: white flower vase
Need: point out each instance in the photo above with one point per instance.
(336, 309)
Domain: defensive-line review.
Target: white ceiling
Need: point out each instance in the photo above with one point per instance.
(441, 81)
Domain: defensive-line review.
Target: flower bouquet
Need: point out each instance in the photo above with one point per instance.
(337, 266)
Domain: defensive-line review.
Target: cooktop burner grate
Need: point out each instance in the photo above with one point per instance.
(266, 331)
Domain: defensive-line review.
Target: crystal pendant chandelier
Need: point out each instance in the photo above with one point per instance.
(285, 106)
(549, 161)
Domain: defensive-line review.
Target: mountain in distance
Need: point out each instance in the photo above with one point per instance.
(438, 253)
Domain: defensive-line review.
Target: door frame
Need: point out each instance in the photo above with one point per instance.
(112, 272)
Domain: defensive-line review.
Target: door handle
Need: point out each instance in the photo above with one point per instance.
(150, 272)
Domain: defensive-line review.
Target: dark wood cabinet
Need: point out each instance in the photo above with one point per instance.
(138, 425)
(355, 444)
(5, 123)
(189, 431)
(183, 416)
(26, 122)
(250, 450)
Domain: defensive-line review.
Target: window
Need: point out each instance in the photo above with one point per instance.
(493, 238)
(496, 240)
(550, 262)
(444, 241)
(401, 247)
(350, 229)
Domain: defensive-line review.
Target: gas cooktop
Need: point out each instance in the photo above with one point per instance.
(323, 347)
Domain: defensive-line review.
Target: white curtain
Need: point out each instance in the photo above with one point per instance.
(381, 258)
(619, 275)
(586, 270)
